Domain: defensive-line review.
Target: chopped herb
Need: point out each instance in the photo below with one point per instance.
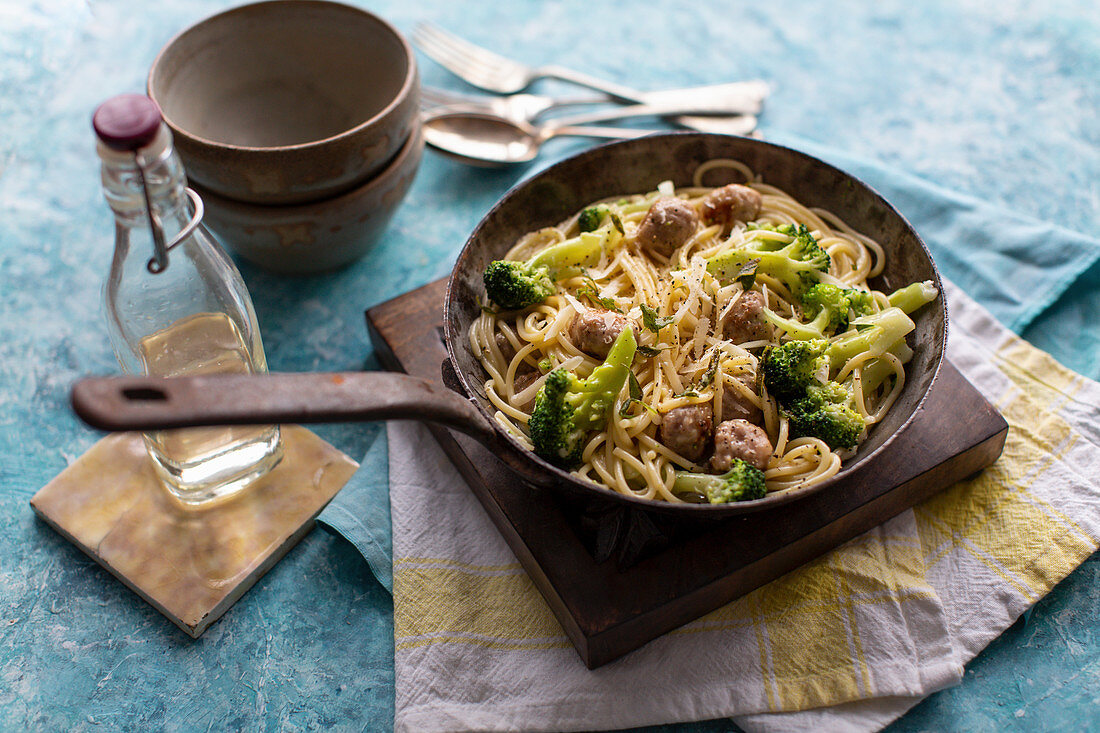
(592, 293)
(652, 321)
(593, 297)
(618, 223)
(625, 411)
(635, 397)
(712, 370)
(688, 393)
(605, 303)
(747, 275)
(490, 311)
(649, 350)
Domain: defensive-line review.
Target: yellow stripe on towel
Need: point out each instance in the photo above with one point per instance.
(445, 604)
(999, 518)
(811, 620)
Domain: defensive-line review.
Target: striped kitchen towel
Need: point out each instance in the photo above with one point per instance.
(847, 642)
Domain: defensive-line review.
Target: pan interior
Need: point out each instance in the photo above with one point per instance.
(636, 166)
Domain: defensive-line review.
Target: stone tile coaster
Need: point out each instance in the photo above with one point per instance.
(190, 564)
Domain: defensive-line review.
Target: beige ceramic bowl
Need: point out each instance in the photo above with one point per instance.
(306, 239)
(287, 101)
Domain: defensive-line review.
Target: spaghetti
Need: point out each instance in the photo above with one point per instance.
(701, 328)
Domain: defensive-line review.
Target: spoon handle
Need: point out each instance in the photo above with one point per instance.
(672, 107)
(610, 133)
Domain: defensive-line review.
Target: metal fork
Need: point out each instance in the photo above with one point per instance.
(516, 107)
(494, 73)
(529, 108)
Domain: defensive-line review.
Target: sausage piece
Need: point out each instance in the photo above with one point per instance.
(731, 203)
(686, 430)
(745, 320)
(736, 405)
(740, 439)
(593, 332)
(667, 225)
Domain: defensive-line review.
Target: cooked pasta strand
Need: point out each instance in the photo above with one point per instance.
(678, 311)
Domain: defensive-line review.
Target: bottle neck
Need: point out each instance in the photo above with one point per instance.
(150, 178)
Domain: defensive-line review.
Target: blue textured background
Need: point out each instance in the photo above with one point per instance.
(998, 100)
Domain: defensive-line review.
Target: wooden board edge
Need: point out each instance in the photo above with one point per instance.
(614, 642)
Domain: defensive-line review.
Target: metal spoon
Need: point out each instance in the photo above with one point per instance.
(484, 139)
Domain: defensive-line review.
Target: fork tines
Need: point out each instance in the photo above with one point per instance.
(477, 65)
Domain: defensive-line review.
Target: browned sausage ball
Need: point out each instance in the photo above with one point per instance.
(745, 320)
(594, 331)
(739, 439)
(686, 430)
(731, 204)
(667, 225)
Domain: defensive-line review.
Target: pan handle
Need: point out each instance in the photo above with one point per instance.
(157, 403)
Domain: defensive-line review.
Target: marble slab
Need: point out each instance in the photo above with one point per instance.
(191, 564)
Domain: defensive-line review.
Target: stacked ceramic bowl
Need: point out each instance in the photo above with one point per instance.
(297, 122)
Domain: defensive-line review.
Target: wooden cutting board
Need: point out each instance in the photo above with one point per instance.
(618, 579)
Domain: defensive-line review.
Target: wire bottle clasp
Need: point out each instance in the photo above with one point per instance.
(158, 263)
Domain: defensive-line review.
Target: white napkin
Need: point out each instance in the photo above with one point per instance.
(848, 642)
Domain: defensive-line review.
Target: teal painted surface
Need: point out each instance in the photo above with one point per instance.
(993, 100)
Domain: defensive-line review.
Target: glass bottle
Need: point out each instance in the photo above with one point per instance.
(176, 305)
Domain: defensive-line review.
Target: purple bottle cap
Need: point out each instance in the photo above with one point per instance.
(127, 122)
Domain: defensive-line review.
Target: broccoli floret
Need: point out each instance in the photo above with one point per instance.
(834, 302)
(877, 333)
(798, 264)
(743, 482)
(788, 369)
(567, 407)
(515, 285)
(826, 411)
(828, 307)
(913, 296)
(813, 408)
(590, 218)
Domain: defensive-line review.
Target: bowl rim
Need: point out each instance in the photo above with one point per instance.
(407, 86)
(414, 141)
(684, 510)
